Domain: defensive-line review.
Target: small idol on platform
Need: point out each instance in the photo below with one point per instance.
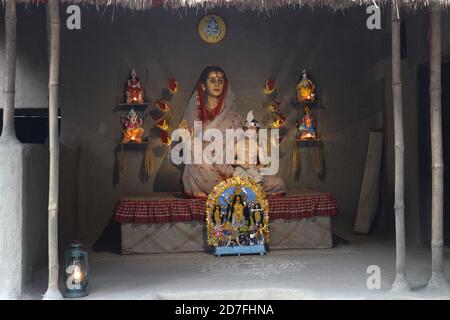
(305, 89)
(132, 128)
(306, 126)
(135, 92)
(238, 211)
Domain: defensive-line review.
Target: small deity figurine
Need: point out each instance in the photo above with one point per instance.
(237, 211)
(216, 230)
(257, 215)
(260, 233)
(306, 126)
(250, 149)
(217, 215)
(132, 128)
(251, 167)
(135, 93)
(305, 88)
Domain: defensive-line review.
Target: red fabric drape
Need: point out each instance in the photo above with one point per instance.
(204, 114)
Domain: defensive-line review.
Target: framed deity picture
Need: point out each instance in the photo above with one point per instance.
(212, 28)
(237, 217)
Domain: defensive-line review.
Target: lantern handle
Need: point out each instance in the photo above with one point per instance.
(86, 265)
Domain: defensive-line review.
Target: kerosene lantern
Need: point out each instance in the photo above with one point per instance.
(76, 271)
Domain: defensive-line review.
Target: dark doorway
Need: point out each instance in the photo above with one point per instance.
(425, 149)
(31, 125)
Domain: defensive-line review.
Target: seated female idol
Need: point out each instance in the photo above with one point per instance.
(213, 103)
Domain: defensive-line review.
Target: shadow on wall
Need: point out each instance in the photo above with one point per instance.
(110, 239)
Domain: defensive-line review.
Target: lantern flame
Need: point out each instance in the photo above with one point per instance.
(77, 274)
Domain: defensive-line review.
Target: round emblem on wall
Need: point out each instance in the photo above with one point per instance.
(212, 28)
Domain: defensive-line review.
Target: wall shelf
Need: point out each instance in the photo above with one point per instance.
(128, 106)
(133, 146)
(309, 142)
(313, 104)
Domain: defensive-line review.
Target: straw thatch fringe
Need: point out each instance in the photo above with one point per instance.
(122, 165)
(266, 6)
(148, 160)
(295, 162)
(319, 160)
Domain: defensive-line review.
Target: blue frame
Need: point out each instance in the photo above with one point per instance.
(238, 250)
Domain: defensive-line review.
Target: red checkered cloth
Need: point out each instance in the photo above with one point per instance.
(185, 210)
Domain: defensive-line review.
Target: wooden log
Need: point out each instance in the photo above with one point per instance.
(53, 22)
(400, 282)
(370, 186)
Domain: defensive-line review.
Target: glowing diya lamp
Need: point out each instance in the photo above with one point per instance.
(269, 87)
(165, 138)
(308, 136)
(163, 124)
(274, 106)
(172, 86)
(278, 122)
(162, 105)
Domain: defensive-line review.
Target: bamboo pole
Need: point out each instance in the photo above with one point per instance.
(400, 282)
(437, 280)
(8, 133)
(54, 47)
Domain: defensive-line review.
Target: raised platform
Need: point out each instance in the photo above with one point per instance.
(161, 223)
(173, 207)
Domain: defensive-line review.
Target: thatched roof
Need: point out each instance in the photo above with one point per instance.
(260, 5)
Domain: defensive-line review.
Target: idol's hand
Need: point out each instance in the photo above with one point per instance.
(183, 125)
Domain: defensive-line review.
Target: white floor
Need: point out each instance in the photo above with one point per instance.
(338, 273)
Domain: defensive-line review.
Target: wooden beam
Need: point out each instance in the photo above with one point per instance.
(53, 23)
(8, 133)
(437, 280)
(370, 186)
(400, 282)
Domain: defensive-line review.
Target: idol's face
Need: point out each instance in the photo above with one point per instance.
(308, 122)
(214, 84)
(238, 198)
